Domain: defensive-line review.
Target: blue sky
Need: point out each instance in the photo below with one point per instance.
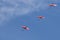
(15, 13)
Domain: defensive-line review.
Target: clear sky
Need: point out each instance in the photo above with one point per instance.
(16, 13)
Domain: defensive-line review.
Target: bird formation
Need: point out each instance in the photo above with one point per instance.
(40, 17)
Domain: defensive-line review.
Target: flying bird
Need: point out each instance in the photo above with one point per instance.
(25, 27)
(52, 4)
(41, 17)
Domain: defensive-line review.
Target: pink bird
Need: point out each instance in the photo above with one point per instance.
(25, 27)
(52, 4)
(41, 17)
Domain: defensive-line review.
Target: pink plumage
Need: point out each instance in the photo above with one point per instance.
(25, 27)
(41, 17)
(52, 4)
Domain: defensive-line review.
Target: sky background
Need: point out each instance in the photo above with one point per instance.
(16, 13)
